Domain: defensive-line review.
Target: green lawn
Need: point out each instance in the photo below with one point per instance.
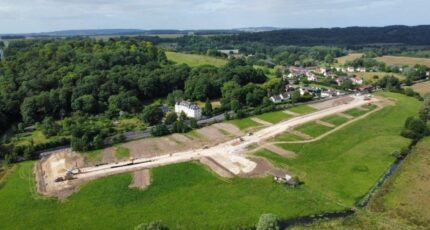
(346, 164)
(245, 123)
(335, 120)
(186, 196)
(121, 152)
(302, 109)
(274, 158)
(356, 112)
(313, 129)
(274, 117)
(287, 137)
(194, 60)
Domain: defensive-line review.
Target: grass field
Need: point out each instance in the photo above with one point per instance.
(245, 123)
(287, 137)
(274, 158)
(302, 109)
(399, 60)
(349, 57)
(422, 88)
(356, 112)
(346, 164)
(403, 203)
(274, 117)
(194, 60)
(186, 196)
(335, 120)
(313, 129)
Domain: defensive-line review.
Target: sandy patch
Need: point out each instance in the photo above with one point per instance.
(230, 128)
(346, 115)
(280, 151)
(300, 134)
(216, 167)
(332, 103)
(141, 179)
(291, 113)
(108, 155)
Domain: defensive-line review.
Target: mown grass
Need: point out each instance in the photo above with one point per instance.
(302, 109)
(335, 120)
(244, 124)
(122, 152)
(186, 196)
(313, 129)
(274, 158)
(346, 164)
(194, 60)
(356, 112)
(274, 117)
(287, 137)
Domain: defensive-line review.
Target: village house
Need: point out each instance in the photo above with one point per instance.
(357, 80)
(281, 97)
(311, 90)
(350, 69)
(329, 93)
(190, 109)
(361, 69)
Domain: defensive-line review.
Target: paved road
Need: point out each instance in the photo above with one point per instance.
(229, 147)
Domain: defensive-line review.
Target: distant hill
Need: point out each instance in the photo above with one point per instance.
(410, 35)
(258, 29)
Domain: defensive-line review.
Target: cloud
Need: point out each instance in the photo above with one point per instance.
(48, 15)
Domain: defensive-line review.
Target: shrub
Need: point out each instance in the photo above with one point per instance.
(268, 222)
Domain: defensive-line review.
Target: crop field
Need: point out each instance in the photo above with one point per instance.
(346, 164)
(399, 60)
(422, 88)
(194, 60)
(313, 129)
(274, 117)
(302, 109)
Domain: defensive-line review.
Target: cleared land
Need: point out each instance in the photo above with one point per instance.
(302, 109)
(194, 60)
(399, 60)
(403, 202)
(369, 76)
(274, 117)
(349, 57)
(422, 88)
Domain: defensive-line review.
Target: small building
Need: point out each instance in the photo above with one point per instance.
(361, 69)
(190, 109)
(357, 80)
(350, 69)
(276, 99)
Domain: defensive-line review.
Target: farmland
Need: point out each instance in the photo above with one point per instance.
(370, 76)
(349, 57)
(194, 60)
(398, 60)
(422, 88)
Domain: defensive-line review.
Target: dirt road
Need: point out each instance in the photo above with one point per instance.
(233, 150)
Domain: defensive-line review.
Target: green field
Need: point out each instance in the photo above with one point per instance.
(245, 123)
(186, 196)
(302, 109)
(356, 112)
(402, 203)
(313, 129)
(400, 60)
(346, 164)
(287, 137)
(335, 120)
(274, 117)
(194, 60)
(274, 158)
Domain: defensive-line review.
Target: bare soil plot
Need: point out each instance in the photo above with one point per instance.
(332, 103)
(300, 134)
(216, 167)
(212, 134)
(108, 155)
(422, 88)
(263, 168)
(141, 179)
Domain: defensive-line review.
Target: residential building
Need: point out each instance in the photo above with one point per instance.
(190, 109)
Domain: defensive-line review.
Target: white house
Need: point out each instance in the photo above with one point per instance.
(357, 80)
(350, 69)
(190, 109)
(361, 69)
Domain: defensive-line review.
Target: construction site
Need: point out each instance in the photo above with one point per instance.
(223, 148)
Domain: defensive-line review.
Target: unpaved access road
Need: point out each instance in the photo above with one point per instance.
(233, 149)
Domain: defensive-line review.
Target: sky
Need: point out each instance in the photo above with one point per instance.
(24, 16)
